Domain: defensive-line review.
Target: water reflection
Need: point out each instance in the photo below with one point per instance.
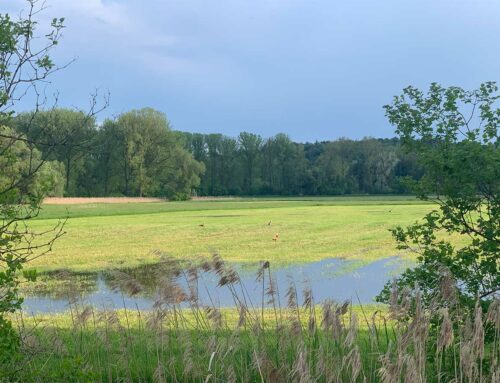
(338, 279)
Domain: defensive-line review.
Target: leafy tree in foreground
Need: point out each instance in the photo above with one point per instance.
(26, 173)
(454, 134)
(21, 68)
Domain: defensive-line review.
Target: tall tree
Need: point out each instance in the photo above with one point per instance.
(151, 153)
(69, 135)
(213, 142)
(229, 170)
(108, 155)
(282, 165)
(249, 149)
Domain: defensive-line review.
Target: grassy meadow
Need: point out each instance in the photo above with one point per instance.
(106, 236)
(277, 336)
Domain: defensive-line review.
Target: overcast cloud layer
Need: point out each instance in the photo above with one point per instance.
(313, 69)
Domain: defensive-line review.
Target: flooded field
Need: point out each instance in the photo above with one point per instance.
(143, 287)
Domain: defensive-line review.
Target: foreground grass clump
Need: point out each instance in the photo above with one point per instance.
(286, 337)
(108, 236)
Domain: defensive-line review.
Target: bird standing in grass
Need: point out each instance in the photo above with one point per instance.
(269, 223)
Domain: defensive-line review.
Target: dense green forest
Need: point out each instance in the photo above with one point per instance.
(138, 154)
(251, 165)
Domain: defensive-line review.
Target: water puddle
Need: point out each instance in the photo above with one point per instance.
(336, 279)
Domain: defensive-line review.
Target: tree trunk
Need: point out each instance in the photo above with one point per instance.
(68, 172)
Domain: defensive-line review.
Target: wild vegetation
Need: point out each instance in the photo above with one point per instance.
(441, 321)
(25, 173)
(137, 154)
(455, 135)
(284, 336)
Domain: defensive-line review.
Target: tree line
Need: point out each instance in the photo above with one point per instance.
(135, 154)
(251, 165)
(138, 154)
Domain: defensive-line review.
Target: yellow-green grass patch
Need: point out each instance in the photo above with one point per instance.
(104, 237)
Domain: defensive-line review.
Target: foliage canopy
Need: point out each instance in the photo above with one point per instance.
(454, 134)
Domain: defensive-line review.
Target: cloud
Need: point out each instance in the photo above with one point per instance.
(283, 64)
(111, 13)
(116, 32)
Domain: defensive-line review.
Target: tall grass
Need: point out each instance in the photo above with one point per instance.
(284, 336)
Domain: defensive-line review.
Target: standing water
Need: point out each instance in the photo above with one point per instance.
(336, 279)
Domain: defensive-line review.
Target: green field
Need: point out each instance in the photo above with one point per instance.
(185, 340)
(104, 236)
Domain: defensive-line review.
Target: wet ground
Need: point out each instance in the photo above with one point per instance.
(336, 279)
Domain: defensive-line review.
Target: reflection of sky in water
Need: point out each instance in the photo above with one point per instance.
(330, 278)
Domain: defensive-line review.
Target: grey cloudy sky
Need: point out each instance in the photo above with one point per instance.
(312, 69)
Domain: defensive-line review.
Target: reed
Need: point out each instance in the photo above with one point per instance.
(289, 338)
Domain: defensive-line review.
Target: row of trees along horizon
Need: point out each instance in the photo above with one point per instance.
(138, 154)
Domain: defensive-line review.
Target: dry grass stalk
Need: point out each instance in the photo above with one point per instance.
(83, 316)
(478, 335)
(300, 370)
(215, 316)
(122, 281)
(159, 374)
(181, 334)
(446, 335)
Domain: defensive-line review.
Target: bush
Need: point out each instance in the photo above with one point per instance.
(454, 134)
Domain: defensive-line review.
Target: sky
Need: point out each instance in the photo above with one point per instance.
(315, 70)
